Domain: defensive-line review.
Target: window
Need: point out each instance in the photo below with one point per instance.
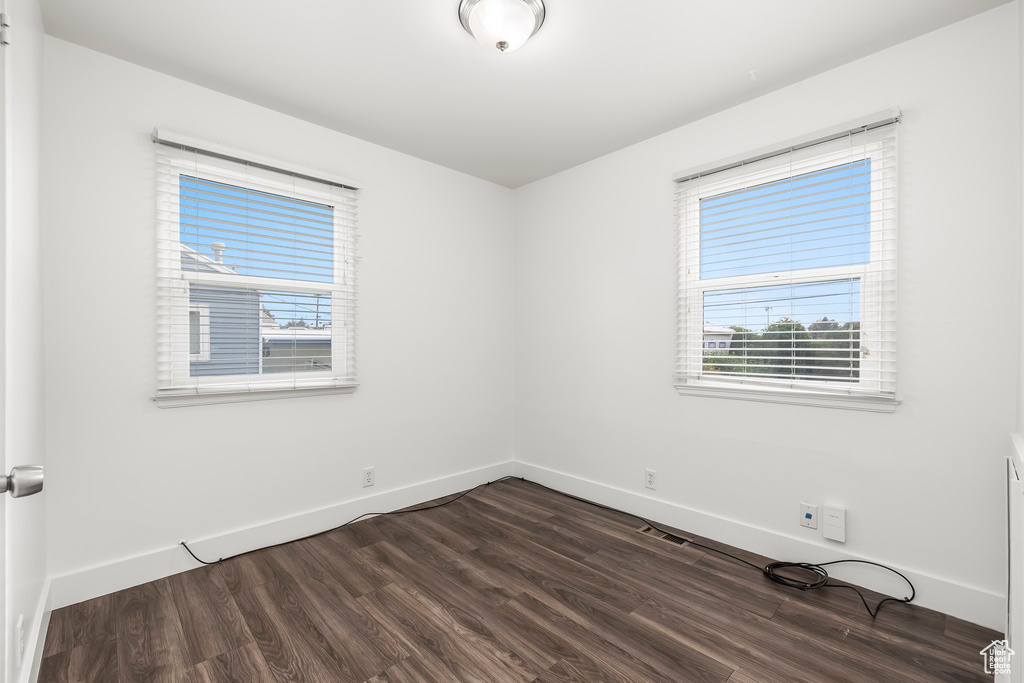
(198, 333)
(256, 280)
(794, 253)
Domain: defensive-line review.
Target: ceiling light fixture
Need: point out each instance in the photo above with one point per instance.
(501, 25)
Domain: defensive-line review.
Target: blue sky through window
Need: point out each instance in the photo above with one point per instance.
(263, 235)
(813, 220)
(313, 309)
(753, 307)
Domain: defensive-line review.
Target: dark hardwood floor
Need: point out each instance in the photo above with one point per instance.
(510, 583)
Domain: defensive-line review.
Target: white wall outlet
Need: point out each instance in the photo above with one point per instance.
(834, 523)
(651, 479)
(367, 477)
(808, 515)
(19, 635)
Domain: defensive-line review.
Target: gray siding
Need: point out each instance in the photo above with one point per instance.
(234, 331)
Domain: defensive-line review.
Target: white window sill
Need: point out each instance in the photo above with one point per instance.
(797, 397)
(179, 398)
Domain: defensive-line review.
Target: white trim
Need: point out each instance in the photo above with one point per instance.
(235, 395)
(257, 282)
(29, 671)
(971, 603)
(791, 396)
(795, 277)
(878, 273)
(1015, 553)
(175, 383)
(203, 354)
(168, 137)
(91, 582)
(1017, 451)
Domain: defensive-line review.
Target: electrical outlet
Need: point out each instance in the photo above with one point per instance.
(808, 515)
(651, 479)
(19, 633)
(367, 477)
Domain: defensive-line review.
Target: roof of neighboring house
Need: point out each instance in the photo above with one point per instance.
(271, 331)
(205, 261)
(296, 333)
(710, 328)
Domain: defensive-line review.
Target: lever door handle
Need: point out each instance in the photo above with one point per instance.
(23, 480)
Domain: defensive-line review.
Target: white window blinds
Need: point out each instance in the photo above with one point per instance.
(787, 272)
(256, 279)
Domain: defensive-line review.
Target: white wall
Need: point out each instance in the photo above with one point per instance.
(595, 323)
(1020, 312)
(1015, 542)
(435, 336)
(594, 306)
(25, 433)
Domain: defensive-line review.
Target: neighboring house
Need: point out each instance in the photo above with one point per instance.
(220, 343)
(232, 333)
(293, 349)
(717, 339)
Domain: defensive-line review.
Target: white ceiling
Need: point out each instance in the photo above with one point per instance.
(404, 74)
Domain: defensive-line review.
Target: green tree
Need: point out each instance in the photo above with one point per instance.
(823, 325)
(823, 350)
(781, 343)
(835, 353)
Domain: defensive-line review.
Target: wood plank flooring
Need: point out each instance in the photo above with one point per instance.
(511, 583)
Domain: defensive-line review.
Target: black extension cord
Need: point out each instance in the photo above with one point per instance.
(818, 576)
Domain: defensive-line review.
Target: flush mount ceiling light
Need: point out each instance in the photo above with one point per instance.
(501, 25)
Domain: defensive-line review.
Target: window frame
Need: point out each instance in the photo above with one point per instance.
(203, 355)
(866, 392)
(178, 387)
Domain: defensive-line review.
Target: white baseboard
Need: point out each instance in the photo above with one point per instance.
(966, 602)
(91, 582)
(1015, 543)
(36, 638)
(973, 604)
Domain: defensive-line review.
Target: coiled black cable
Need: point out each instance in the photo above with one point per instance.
(770, 570)
(821, 580)
(819, 576)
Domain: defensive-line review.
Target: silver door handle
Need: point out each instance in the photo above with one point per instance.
(23, 480)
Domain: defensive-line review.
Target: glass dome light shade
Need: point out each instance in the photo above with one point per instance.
(503, 25)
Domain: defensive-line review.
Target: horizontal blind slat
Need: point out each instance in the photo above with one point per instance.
(788, 269)
(256, 278)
